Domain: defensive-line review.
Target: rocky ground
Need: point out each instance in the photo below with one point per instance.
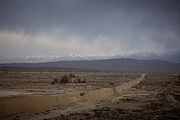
(156, 98)
(39, 80)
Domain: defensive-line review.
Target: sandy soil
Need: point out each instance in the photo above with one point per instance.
(20, 81)
(157, 97)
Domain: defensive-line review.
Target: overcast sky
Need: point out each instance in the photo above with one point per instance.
(88, 27)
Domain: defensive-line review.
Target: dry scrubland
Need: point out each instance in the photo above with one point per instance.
(156, 97)
(38, 80)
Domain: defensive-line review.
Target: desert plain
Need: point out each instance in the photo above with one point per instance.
(28, 93)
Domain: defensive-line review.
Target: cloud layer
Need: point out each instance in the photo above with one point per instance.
(60, 42)
(85, 27)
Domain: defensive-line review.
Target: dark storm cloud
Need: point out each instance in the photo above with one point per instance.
(91, 14)
(73, 26)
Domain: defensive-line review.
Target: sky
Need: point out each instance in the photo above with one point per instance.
(88, 27)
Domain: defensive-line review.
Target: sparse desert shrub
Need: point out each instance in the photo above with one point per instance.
(111, 83)
(69, 78)
(82, 93)
(83, 80)
(55, 80)
(79, 80)
(71, 75)
(64, 79)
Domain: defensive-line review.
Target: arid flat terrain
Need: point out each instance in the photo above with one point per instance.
(38, 80)
(156, 97)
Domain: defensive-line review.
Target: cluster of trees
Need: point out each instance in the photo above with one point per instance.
(69, 78)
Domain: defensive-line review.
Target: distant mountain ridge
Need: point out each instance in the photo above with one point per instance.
(172, 57)
(119, 64)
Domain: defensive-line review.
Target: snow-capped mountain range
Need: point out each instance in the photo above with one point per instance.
(175, 57)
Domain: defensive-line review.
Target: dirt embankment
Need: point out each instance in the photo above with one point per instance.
(35, 103)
